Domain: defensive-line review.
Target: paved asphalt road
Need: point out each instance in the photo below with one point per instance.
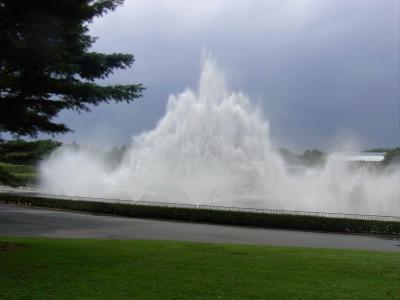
(38, 222)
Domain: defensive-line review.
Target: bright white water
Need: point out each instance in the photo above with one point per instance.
(213, 147)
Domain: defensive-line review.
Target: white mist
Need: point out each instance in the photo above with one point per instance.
(213, 147)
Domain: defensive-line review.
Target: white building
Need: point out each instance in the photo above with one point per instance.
(360, 156)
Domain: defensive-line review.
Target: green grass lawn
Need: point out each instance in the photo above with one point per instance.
(91, 269)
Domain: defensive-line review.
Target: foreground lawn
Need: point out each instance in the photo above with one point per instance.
(92, 269)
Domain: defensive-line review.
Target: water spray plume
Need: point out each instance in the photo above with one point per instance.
(213, 147)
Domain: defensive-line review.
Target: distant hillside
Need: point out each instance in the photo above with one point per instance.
(309, 158)
(19, 160)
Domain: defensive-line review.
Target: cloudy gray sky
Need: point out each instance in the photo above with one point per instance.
(321, 69)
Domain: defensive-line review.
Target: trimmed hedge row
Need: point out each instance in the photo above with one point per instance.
(214, 216)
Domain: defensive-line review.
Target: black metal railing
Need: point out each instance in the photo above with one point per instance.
(33, 194)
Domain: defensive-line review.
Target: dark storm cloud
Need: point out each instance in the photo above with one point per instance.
(319, 68)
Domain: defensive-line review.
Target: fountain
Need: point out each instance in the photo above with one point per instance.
(213, 147)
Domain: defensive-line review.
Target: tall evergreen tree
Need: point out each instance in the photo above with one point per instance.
(46, 65)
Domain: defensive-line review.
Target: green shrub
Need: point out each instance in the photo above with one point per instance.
(282, 221)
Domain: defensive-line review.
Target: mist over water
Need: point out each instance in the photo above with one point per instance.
(213, 147)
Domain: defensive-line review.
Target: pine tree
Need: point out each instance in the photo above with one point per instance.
(46, 65)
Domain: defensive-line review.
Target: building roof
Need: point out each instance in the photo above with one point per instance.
(361, 156)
